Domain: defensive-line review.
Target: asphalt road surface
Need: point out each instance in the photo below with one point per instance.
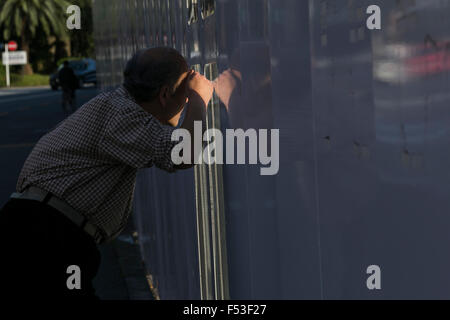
(26, 114)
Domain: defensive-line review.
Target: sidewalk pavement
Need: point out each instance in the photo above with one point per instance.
(122, 256)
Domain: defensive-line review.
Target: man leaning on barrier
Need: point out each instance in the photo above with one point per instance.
(76, 187)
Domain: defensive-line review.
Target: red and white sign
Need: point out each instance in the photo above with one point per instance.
(12, 46)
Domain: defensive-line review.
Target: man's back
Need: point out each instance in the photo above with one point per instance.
(90, 160)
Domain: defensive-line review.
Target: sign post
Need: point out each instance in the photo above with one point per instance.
(7, 65)
(12, 57)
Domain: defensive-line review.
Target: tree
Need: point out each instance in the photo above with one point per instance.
(21, 18)
(82, 41)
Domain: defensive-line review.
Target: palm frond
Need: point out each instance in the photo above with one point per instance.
(50, 14)
(6, 11)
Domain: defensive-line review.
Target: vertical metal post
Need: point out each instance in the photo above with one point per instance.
(211, 229)
(7, 65)
(217, 209)
(203, 227)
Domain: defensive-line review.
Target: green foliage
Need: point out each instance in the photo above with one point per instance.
(18, 80)
(23, 17)
(82, 41)
(46, 41)
(31, 80)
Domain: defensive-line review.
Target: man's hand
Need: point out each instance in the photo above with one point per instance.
(201, 86)
(199, 91)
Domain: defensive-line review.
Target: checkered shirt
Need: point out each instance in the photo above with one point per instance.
(91, 159)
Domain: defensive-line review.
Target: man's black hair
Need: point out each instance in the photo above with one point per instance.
(150, 69)
(66, 63)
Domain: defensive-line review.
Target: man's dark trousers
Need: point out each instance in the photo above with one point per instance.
(37, 246)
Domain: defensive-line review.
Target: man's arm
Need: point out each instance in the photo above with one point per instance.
(200, 91)
(135, 138)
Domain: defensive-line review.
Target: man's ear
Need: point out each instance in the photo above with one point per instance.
(164, 94)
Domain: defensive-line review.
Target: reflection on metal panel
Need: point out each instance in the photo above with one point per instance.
(364, 134)
(217, 208)
(192, 6)
(207, 7)
(379, 178)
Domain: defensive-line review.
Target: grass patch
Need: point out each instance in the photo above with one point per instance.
(32, 80)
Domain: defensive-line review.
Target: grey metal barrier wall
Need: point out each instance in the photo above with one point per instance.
(364, 123)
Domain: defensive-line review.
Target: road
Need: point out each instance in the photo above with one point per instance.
(26, 114)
